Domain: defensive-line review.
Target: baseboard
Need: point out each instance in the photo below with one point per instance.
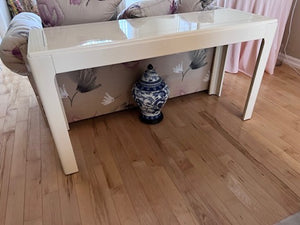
(289, 60)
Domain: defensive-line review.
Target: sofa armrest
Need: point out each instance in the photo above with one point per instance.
(13, 48)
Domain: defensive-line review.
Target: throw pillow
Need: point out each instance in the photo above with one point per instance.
(18, 6)
(149, 8)
(195, 5)
(66, 12)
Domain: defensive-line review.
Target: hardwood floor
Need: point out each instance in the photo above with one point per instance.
(201, 165)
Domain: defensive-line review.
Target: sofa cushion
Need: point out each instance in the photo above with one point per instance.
(147, 8)
(195, 5)
(66, 12)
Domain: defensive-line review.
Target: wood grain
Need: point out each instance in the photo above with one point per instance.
(200, 165)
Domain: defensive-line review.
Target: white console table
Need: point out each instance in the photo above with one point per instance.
(67, 48)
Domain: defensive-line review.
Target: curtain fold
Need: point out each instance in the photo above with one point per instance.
(239, 55)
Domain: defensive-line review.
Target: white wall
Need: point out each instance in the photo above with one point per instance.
(4, 18)
(293, 46)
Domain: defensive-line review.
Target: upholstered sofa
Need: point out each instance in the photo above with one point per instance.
(97, 91)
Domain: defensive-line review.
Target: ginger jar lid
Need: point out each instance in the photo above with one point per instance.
(150, 76)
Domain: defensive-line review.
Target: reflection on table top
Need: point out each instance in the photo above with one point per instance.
(113, 32)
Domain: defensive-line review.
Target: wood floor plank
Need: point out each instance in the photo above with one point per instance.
(33, 188)
(7, 144)
(134, 189)
(124, 207)
(205, 188)
(34, 143)
(201, 187)
(83, 186)
(255, 163)
(16, 193)
(201, 211)
(33, 192)
(223, 169)
(201, 165)
(68, 200)
(51, 209)
(51, 206)
(156, 198)
(259, 153)
(22, 108)
(209, 197)
(3, 141)
(3, 109)
(34, 222)
(95, 202)
(85, 202)
(49, 163)
(143, 151)
(10, 120)
(179, 206)
(105, 155)
(238, 208)
(258, 192)
(15, 201)
(108, 200)
(142, 141)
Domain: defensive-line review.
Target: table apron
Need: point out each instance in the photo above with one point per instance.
(76, 59)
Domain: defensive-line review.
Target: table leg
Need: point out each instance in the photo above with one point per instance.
(259, 70)
(217, 75)
(44, 76)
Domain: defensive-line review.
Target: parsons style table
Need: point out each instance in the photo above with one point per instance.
(67, 48)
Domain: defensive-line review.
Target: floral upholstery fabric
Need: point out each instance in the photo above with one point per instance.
(195, 5)
(18, 6)
(149, 8)
(66, 12)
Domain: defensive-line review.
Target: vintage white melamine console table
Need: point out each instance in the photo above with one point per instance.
(67, 48)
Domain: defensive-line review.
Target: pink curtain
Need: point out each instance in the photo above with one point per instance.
(239, 55)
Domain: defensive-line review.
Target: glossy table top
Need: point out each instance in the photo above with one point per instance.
(124, 31)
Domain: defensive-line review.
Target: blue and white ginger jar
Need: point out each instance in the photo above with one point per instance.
(150, 93)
